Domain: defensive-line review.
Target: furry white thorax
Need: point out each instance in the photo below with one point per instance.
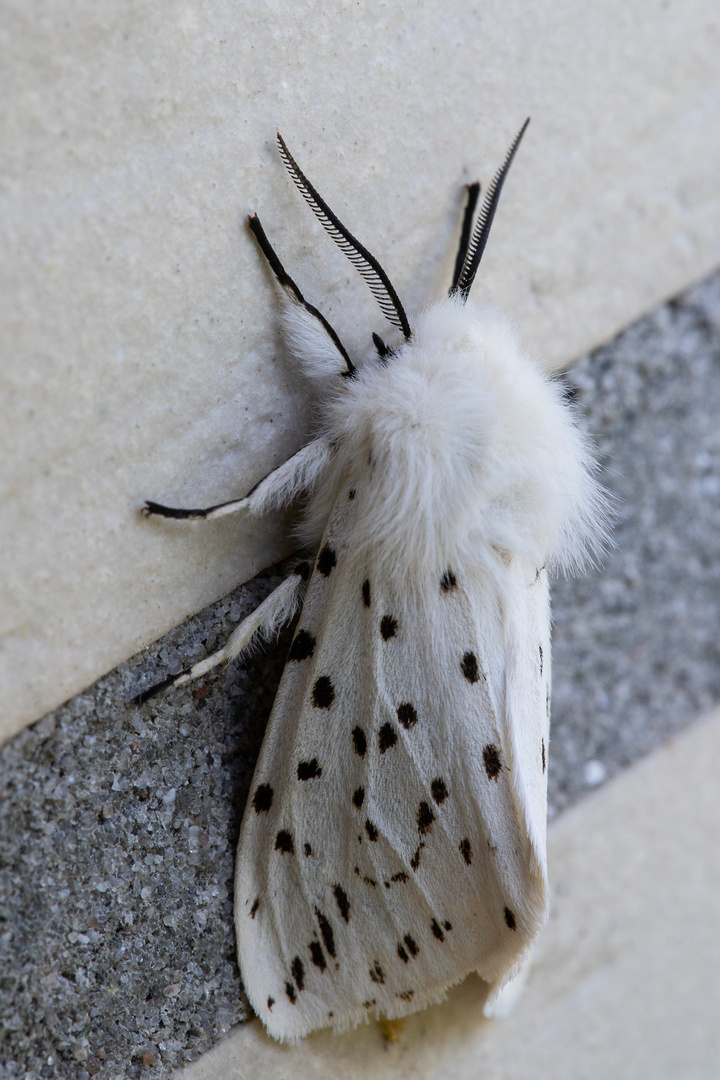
(465, 449)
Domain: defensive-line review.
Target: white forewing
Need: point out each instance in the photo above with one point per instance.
(388, 849)
(527, 702)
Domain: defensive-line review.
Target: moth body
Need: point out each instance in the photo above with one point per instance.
(394, 838)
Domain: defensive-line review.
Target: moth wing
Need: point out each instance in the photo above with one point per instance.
(528, 680)
(385, 851)
(527, 729)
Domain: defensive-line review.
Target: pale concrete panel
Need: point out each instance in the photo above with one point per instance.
(626, 978)
(141, 356)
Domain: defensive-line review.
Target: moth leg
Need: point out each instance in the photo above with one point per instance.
(298, 473)
(265, 621)
(473, 192)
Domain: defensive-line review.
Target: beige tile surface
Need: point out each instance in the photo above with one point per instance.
(626, 979)
(140, 355)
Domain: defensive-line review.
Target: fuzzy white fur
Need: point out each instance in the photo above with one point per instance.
(307, 338)
(472, 447)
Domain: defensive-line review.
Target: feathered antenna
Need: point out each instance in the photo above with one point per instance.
(473, 191)
(462, 285)
(290, 287)
(365, 263)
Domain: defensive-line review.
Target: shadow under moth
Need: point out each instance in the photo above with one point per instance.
(395, 835)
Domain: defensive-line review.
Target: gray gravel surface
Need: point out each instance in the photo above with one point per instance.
(636, 648)
(117, 953)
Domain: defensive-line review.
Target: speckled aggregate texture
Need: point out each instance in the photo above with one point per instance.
(636, 644)
(117, 839)
(117, 953)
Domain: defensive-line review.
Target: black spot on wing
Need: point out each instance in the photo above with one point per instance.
(407, 715)
(302, 647)
(308, 770)
(326, 560)
(326, 932)
(323, 693)
(284, 842)
(351, 494)
(254, 908)
(262, 799)
(400, 877)
(366, 593)
(371, 830)
(376, 973)
(415, 860)
(447, 925)
(358, 797)
(425, 818)
(411, 945)
(317, 955)
(308, 850)
(491, 761)
(469, 666)
(405, 995)
(466, 850)
(298, 972)
(541, 658)
(510, 919)
(290, 991)
(359, 741)
(270, 1003)
(402, 954)
(448, 581)
(388, 627)
(542, 755)
(438, 790)
(342, 902)
(369, 1004)
(387, 737)
(437, 930)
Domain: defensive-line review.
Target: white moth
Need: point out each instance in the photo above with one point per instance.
(394, 839)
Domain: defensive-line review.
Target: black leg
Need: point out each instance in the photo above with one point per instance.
(263, 488)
